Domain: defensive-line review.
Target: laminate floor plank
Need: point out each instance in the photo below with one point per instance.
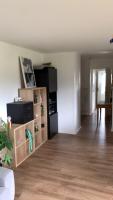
(70, 167)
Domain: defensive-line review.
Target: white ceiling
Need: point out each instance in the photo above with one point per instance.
(58, 25)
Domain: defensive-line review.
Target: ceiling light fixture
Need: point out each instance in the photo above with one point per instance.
(104, 52)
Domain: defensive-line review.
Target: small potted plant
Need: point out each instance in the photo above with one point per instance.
(5, 144)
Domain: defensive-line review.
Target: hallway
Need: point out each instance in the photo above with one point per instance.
(70, 167)
(91, 131)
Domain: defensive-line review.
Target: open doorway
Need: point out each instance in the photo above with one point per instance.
(101, 93)
(98, 87)
(93, 90)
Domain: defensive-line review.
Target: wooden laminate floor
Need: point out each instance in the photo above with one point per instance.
(70, 167)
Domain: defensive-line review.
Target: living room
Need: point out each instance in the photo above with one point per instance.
(62, 33)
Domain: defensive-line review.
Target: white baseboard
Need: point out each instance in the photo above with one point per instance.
(87, 114)
(78, 130)
(71, 133)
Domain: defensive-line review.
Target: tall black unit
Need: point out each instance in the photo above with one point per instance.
(47, 77)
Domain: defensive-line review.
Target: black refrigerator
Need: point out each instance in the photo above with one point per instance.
(47, 77)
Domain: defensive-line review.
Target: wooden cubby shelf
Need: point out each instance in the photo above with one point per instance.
(37, 127)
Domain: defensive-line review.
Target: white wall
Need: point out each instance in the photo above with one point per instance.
(68, 65)
(68, 68)
(85, 85)
(10, 73)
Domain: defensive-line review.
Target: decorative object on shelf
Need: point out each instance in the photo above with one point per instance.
(36, 98)
(36, 115)
(28, 72)
(36, 129)
(9, 123)
(30, 137)
(42, 110)
(42, 125)
(16, 99)
(5, 143)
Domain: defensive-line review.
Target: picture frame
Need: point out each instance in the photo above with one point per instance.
(27, 72)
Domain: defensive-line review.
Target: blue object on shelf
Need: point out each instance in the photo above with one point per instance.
(30, 137)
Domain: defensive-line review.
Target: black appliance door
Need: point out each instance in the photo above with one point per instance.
(52, 79)
(53, 119)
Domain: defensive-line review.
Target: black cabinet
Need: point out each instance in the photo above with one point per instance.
(53, 124)
(47, 77)
(20, 112)
(52, 80)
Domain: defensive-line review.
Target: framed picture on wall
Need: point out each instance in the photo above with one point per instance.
(27, 72)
